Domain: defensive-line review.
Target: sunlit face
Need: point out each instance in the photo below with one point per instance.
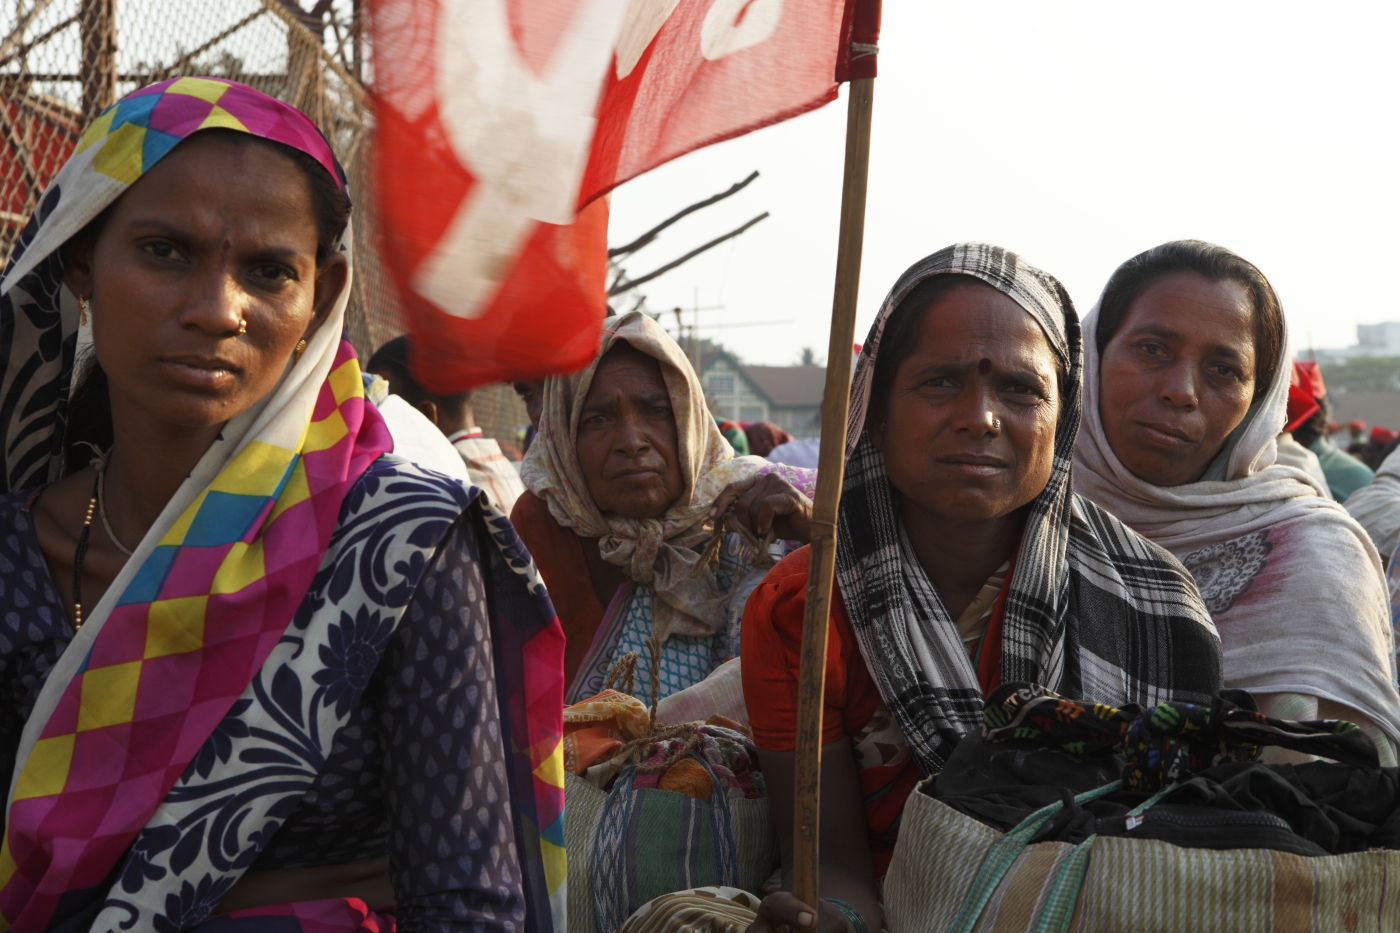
(968, 428)
(217, 233)
(1178, 376)
(627, 446)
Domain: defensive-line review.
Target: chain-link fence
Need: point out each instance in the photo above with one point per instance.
(63, 61)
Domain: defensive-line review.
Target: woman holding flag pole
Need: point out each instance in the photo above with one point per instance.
(963, 561)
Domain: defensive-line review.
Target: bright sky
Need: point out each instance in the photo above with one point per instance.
(1076, 134)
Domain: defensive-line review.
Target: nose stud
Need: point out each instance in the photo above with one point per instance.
(996, 423)
(242, 326)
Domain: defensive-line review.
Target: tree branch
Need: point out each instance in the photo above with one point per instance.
(642, 280)
(651, 234)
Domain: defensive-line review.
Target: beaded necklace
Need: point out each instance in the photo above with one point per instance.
(81, 551)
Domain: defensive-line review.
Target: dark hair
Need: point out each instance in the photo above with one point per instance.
(391, 361)
(329, 205)
(1209, 261)
(89, 418)
(902, 332)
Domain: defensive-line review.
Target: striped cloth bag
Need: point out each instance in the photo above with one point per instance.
(631, 844)
(952, 873)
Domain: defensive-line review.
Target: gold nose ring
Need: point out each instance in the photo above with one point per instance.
(242, 326)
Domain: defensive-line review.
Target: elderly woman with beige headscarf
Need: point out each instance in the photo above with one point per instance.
(626, 483)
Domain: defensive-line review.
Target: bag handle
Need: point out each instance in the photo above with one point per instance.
(1172, 741)
(1062, 893)
(1002, 853)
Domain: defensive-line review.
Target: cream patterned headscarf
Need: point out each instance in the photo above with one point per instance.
(661, 551)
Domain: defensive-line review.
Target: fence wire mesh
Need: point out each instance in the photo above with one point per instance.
(63, 61)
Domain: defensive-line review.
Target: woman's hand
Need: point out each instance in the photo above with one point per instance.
(766, 503)
(782, 909)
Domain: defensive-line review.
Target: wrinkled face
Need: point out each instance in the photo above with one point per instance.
(1177, 376)
(969, 424)
(626, 440)
(218, 232)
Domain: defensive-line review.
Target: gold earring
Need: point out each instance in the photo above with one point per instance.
(82, 311)
(300, 349)
(242, 326)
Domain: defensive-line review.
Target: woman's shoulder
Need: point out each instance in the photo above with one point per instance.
(531, 517)
(1319, 546)
(392, 476)
(779, 602)
(785, 583)
(397, 497)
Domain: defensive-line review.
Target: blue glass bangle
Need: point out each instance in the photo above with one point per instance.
(853, 916)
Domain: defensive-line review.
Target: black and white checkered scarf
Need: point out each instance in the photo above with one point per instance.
(1094, 611)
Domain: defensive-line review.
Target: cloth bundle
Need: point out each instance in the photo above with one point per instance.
(656, 810)
(609, 731)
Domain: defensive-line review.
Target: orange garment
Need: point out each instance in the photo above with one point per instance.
(771, 640)
(558, 554)
(598, 728)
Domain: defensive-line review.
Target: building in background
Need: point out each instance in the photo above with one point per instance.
(788, 396)
(1372, 340)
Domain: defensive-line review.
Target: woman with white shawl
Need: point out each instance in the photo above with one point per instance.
(1186, 389)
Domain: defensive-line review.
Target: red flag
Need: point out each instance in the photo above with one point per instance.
(499, 119)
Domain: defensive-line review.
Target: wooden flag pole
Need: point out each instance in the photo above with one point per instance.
(830, 467)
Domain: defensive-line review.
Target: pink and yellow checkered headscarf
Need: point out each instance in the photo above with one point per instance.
(215, 583)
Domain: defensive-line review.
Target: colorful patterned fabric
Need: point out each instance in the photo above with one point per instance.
(1168, 742)
(650, 841)
(190, 647)
(204, 607)
(685, 660)
(373, 699)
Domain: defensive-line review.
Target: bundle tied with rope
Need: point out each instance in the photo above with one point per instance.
(655, 807)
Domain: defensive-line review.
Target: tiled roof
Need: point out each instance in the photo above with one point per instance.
(790, 386)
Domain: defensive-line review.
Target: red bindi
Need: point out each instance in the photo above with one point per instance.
(985, 366)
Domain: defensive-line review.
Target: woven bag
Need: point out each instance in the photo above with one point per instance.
(952, 873)
(629, 845)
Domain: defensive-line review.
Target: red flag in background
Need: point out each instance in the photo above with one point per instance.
(497, 120)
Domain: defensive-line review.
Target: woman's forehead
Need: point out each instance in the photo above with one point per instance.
(623, 365)
(976, 321)
(225, 183)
